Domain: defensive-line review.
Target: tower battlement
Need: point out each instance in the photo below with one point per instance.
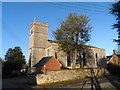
(39, 24)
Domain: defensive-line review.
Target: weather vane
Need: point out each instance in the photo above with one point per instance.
(35, 19)
(46, 21)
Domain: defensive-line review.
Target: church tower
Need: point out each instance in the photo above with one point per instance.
(38, 42)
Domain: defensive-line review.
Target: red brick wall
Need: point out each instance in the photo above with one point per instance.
(40, 69)
(53, 64)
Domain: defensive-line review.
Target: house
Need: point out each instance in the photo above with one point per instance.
(114, 59)
(47, 64)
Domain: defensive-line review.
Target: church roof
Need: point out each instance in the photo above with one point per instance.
(89, 46)
(53, 41)
(43, 61)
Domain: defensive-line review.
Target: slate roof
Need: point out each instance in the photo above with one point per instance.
(43, 61)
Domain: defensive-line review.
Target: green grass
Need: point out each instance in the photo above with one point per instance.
(65, 81)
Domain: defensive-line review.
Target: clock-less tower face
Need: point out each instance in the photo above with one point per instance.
(38, 41)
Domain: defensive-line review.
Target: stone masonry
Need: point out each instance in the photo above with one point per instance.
(63, 75)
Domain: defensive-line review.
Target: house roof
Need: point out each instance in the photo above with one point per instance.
(43, 61)
(108, 57)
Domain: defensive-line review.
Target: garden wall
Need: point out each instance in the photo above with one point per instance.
(62, 75)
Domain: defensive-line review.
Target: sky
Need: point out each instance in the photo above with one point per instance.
(59, 0)
(18, 16)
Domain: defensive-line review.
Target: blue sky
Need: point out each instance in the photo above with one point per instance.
(18, 16)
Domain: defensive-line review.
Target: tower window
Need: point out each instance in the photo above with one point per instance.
(31, 31)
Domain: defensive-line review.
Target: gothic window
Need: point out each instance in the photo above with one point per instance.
(84, 59)
(97, 57)
(69, 58)
(55, 55)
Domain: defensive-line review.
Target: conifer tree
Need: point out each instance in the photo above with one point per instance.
(74, 32)
(14, 60)
(115, 10)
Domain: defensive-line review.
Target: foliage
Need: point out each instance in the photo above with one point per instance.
(0, 59)
(115, 10)
(14, 60)
(73, 32)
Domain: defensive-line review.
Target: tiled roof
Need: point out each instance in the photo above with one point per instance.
(112, 55)
(43, 61)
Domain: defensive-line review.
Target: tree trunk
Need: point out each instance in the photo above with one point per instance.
(74, 60)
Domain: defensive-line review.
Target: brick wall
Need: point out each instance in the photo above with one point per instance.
(40, 69)
(52, 64)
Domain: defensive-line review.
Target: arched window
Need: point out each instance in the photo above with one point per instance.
(97, 57)
(55, 55)
(84, 59)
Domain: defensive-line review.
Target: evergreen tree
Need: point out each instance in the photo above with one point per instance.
(72, 33)
(14, 60)
(0, 59)
(115, 10)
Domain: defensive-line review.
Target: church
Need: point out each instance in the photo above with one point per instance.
(41, 47)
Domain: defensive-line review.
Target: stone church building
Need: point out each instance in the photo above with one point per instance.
(41, 47)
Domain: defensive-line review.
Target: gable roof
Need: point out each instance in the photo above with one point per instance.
(108, 57)
(43, 61)
(89, 46)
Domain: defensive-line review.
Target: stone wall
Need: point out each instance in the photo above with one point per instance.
(62, 75)
(100, 59)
